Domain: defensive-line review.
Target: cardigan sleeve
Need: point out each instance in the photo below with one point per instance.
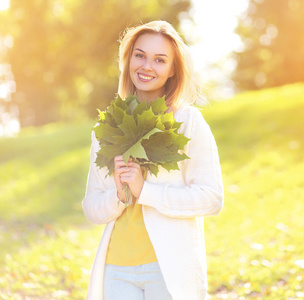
(202, 192)
(100, 205)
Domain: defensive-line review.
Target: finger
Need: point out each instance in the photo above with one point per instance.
(120, 171)
(126, 179)
(134, 165)
(133, 172)
(129, 177)
(126, 176)
(120, 157)
(120, 166)
(119, 162)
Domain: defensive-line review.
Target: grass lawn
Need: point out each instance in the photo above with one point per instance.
(255, 246)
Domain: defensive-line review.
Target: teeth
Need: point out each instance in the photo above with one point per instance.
(145, 77)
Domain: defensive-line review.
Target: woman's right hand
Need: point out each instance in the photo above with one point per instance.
(120, 167)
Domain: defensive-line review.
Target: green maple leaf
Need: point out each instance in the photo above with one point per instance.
(140, 108)
(162, 147)
(146, 121)
(102, 161)
(133, 131)
(159, 106)
(129, 128)
(170, 166)
(117, 114)
(105, 132)
(130, 103)
(101, 115)
(165, 121)
(132, 106)
(157, 153)
(153, 168)
(181, 140)
(137, 150)
(112, 150)
(106, 117)
(120, 103)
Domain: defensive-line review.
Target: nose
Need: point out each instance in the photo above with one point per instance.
(147, 65)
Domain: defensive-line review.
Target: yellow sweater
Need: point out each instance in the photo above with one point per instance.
(130, 244)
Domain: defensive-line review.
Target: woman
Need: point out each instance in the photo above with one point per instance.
(155, 249)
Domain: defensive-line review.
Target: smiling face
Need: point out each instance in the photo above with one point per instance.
(151, 65)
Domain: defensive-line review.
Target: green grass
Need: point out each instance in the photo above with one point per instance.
(254, 244)
(47, 247)
(46, 243)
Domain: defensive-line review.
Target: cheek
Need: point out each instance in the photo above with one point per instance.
(166, 72)
(134, 64)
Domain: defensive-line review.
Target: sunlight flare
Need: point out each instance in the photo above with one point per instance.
(4, 4)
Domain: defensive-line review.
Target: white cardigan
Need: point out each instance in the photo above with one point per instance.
(173, 203)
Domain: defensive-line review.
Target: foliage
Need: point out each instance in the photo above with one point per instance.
(272, 32)
(254, 247)
(64, 57)
(142, 131)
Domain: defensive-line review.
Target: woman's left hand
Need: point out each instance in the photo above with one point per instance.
(134, 178)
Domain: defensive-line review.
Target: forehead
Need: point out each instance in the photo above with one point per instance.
(154, 44)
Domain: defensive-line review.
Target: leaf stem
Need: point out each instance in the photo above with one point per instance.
(128, 194)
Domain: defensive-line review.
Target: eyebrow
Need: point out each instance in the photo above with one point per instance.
(145, 52)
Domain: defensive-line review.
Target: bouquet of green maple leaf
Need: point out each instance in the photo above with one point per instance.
(142, 131)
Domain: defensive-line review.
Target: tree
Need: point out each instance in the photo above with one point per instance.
(64, 57)
(272, 32)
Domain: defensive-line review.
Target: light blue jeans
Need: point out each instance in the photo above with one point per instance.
(143, 282)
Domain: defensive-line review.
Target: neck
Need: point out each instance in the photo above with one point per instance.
(149, 96)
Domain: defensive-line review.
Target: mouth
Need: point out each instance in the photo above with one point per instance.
(143, 77)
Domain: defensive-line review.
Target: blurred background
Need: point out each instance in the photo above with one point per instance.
(58, 59)
(58, 64)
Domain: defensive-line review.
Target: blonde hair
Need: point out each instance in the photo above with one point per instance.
(181, 86)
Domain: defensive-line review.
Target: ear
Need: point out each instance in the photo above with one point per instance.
(172, 72)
